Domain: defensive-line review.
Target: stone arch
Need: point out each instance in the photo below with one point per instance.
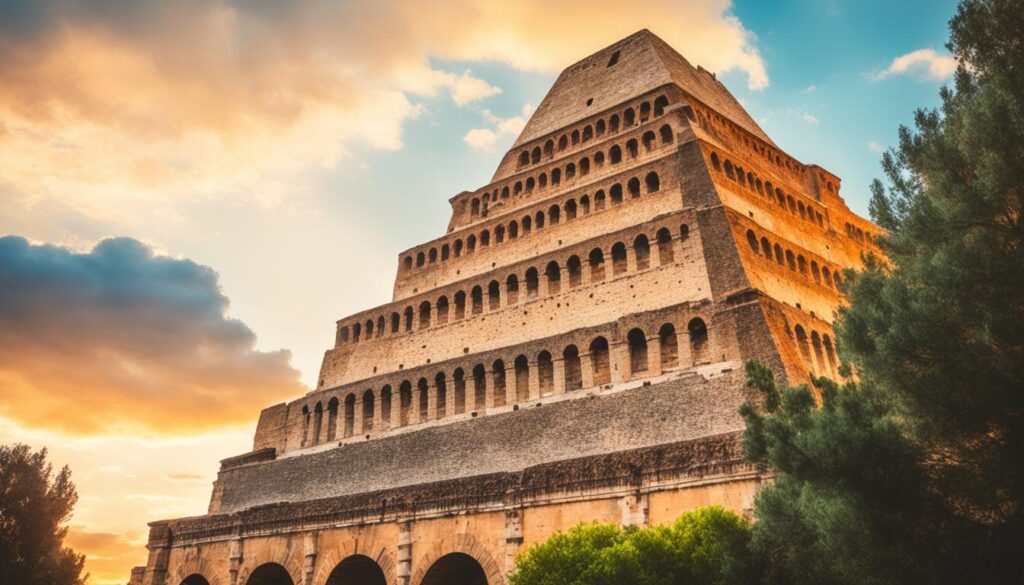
(600, 361)
(191, 566)
(699, 350)
(371, 549)
(637, 340)
(465, 544)
(291, 562)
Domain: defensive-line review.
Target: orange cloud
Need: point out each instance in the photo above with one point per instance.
(120, 340)
(109, 557)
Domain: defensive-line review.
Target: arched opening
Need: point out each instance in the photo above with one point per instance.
(423, 392)
(535, 155)
(652, 182)
(648, 139)
(615, 154)
(477, 295)
(600, 362)
(669, 345)
(666, 255)
(575, 269)
(357, 330)
(660, 104)
(305, 425)
(554, 215)
(442, 310)
(420, 259)
(350, 414)
(538, 220)
(455, 569)
(628, 117)
(408, 318)
(633, 186)
(805, 350)
(752, 241)
(270, 574)
(369, 329)
(599, 200)
(511, 289)
(460, 305)
(571, 365)
(645, 111)
(441, 407)
(524, 159)
(615, 193)
(522, 366)
(332, 419)
(432, 256)
(532, 282)
(637, 351)
(318, 417)
(666, 134)
(766, 249)
(498, 378)
(819, 355)
(459, 378)
(368, 411)
(570, 210)
(424, 314)
(385, 407)
(575, 137)
(553, 274)
(545, 373)
(493, 295)
(357, 570)
(549, 148)
(479, 387)
(618, 258)
(404, 403)
(613, 123)
(698, 341)
(585, 205)
(195, 579)
(596, 265)
(642, 252)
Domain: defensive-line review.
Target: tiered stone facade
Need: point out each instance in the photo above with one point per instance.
(570, 350)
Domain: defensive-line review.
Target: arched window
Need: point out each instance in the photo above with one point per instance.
(305, 425)
(575, 137)
(613, 123)
(513, 230)
(474, 207)
(423, 392)
(396, 322)
(588, 132)
(570, 210)
(571, 366)
(549, 148)
(432, 256)
(458, 248)
(629, 117)
(615, 154)
(409, 315)
(424, 314)
(407, 263)
(535, 155)
(575, 269)
(599, 128)
(766, 249)
(517, 188)
(553, 274)
(729, 172)
(667, 136)
(380, 326)
(827, 276)
(563, 143)
(498, 374)
(684, 232)
(460, 305)
(385, 407)
(545, 373)
(527, 223)
(618, 258)
(441, 404)
(485, 238)
(493, 296)
(599, 159)
(585, 205)
(554, 214)
(717, 164)
(404, 403)
(669, 345)
(801, 263)
(699, 350)
(633, 186)
(532, 282)
(752, 241)
(642, 252)
(524, 158)
(596, 265)
(442, 310)
(819, 355)
(350, 415)
(477, 299)
(459, 379)
(332, 419)
(369, 329)
(479, 388)
(511, 289)
(499, 234)
(539, 220)
(779, 256)
(660, 104)
(584, 166)
(645, 111)
(632, 148)
(805, 350)
(343, 335)
(652, 182)
(637, 351)
(599, 200)
(522, 366)
(542, 180)
(570, 171)
(471, 244)
(616, 193)
(368, 411)
(666, 255)
(830, 353)
(791, 260)
(600, 362)
(556, 176)
(648, 140)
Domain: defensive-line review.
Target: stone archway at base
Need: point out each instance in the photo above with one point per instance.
(357, 570)
(468, 546)
(455, 569)
(269, 574)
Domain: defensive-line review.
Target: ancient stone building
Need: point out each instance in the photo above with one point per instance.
(571, 349)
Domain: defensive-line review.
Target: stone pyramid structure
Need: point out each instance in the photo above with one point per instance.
(570, 349)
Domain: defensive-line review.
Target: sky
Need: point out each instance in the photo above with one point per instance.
(192, 193)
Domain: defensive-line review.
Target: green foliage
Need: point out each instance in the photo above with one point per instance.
(915, 474)
(702, 547)
(33, 506)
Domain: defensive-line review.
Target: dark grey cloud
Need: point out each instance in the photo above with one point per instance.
(121, 339)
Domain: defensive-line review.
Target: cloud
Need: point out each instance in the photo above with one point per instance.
(182, 476)
(922, 64)
(875, 147)
(810, 119)
(107, 554)
(809, 89)
(486, 138)
(121, 340)
(106, 104)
